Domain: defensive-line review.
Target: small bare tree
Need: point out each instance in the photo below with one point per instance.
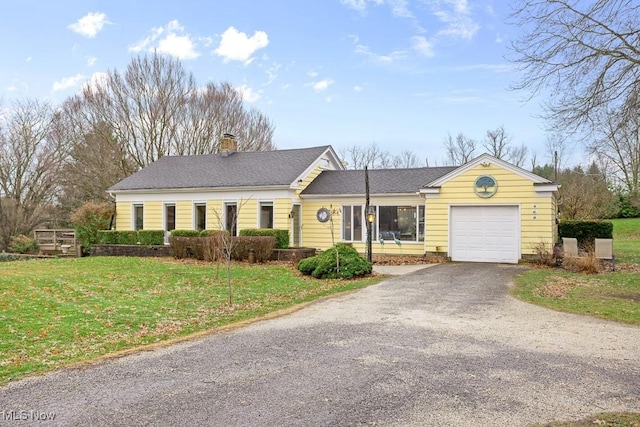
(373, 157)
(228, 242)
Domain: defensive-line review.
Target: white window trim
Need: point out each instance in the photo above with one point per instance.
(195, 211)
(265, 202)
(134, 205)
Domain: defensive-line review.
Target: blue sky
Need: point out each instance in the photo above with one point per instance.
(400, 73)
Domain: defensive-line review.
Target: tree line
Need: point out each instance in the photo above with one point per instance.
(54, 159)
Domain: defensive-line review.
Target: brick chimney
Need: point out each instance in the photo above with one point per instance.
(228, 145)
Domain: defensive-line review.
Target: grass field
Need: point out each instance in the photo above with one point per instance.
(609, 295)
(60, 311)
(626, 240)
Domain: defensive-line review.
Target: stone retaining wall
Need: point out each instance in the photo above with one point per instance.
(130, 250)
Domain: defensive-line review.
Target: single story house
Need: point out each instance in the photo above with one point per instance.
(486, 210)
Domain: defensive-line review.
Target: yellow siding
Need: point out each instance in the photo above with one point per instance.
(512, 189)
(153, 216)
(281, 210)
(308, 179)
(123, 215)
(215, 215)
(314, 233)
(247, 214)
(184, 215)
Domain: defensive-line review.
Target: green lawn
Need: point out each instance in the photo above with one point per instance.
(611, 419)
(626, 240)
(609, 295)
(60, 311)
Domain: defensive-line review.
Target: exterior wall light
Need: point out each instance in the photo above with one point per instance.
(371, 214)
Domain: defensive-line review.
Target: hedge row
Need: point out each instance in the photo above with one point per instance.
(195, 233)
(282, 236)
(586, 231)
(131, 237)
(212, 248)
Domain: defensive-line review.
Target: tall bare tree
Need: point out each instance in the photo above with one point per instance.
(498, 143)
(459, 150)
(618, 145)
(586, 54)
(31, 159)
(155, 108)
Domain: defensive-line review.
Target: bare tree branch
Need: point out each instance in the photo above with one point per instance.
(587, 54)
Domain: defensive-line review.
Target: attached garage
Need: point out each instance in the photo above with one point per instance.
(485, 233)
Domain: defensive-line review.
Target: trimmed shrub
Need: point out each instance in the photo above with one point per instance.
(22, 244)
(586, 231)
(281, 236)
(324, 265)
(107, 237)
(131, 237)
(151, 237)
(186, 233)
(261, 245)
(179, 246)
(204, 246)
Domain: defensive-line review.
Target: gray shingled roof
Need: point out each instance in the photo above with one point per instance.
(381, 181)
(240, 169)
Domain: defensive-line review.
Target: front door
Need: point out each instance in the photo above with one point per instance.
(296, 226)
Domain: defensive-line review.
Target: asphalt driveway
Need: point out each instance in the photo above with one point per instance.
(442, 346)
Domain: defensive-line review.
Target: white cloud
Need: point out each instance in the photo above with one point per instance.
(91, 60)
(90, 24)
(249, 95)
(237, 46)
(456, 15)
(312, 74)
(170, 39)
(494, 68)
(322, 85)
(423, 46)
(358, 88)
(380, 59)
(400, 8)
(68, 82)
(178, 46)
(360, 5)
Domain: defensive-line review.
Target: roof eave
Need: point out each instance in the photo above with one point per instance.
(200, 189)
(347, 196)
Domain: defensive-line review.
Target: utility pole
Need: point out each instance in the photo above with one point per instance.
(366, 213)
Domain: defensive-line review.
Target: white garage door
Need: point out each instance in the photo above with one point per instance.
(485, 234)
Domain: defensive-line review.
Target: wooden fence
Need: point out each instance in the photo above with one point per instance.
(56, 240)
